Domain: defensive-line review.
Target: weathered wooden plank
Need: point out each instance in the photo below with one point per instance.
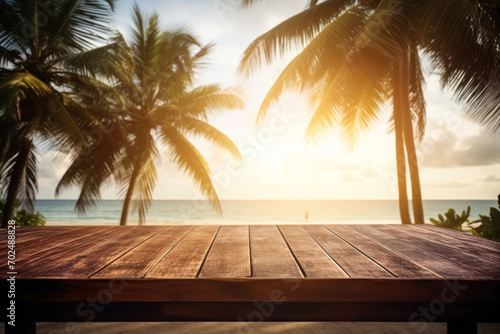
(312, 259)
(469, 247)
(28, 230)
(137, 262)
(450, 253)
(29, 259)
(352, 261)
(469, 239)
(262, 289)
(32, 250)
(437, 264)
(46, 239)
(441, 254)
(187, 256)
(229, 255)
(249, 312)
(25, 234)
(399, 266)
(269, 253)
(86, 260)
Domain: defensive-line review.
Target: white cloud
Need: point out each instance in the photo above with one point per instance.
(452, 149)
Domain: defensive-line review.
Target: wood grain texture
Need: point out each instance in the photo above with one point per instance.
(138, 261)
(34, 260)
(229, 255)
(187, 256)
(28, 245)
(360, 251)
(424, 258)
(450, 253)
(466, 245)
(85, 262)
(399, 266)
(269, 253)
(485, 243)
(210, 272)
(312, 259)
(24, 236)
(351, 260)
(35, 231)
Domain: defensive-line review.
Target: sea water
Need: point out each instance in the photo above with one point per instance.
(255, 211)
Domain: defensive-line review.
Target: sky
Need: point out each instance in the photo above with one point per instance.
(458, 158)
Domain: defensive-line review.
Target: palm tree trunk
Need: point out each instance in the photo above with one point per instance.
(128, 197)
(400, 151)
(418, 209)
(15, 182)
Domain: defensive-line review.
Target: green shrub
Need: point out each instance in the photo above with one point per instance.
(490, 226)
(452, 220)
(23, 217)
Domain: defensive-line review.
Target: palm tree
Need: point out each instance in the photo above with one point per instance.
(47, 49)
(358, 55)
(161, 108)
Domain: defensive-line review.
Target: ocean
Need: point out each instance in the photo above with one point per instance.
(59, 212)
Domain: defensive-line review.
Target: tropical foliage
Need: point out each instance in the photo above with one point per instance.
(23, 217)
(161, 111)
(48, 61)
(357, 56)
(486, 226)
(452, 220)
(490, 225)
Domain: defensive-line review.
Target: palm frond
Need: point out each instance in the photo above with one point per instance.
(191, 162)
(363, 112)
(146, 183)
(79, 24)
(8, 56)
(208, 99)
(90, 91)
(28, 184)
(363, 70)
(198, 58)
(389, 28)
(17, 86)
(246, 3)
(12, 37)
(180, 56)
(325, 53)
(290, 35)
(137, 172)
(198, 127)
(464, 50)
(93, 166)
(102, 61)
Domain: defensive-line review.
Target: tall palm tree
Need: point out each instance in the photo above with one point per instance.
(357, 55)
(161, 108)
(47, 49)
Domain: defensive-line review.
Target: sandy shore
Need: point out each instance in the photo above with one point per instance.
(256, 328)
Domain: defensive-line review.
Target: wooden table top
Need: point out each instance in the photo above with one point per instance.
(223, 273)
(252, 252)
